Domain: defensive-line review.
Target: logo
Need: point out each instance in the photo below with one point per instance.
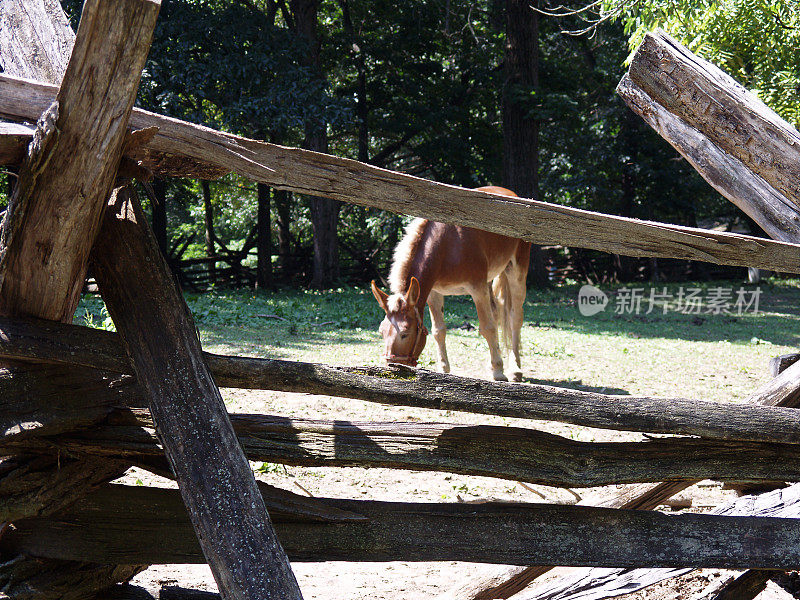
(683, 300)
(591, 300)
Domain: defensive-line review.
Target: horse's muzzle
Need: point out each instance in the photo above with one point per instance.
(408, 361)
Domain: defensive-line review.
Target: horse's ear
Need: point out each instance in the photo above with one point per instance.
(412, 295)
(380, 296)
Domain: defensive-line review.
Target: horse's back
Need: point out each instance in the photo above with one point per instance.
(496, 189)
(473, 255)
(458, 256)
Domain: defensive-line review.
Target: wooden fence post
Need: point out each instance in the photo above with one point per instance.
(54, 214)
(738, 144)
(214, 477)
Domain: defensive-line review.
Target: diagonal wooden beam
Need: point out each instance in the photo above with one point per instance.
(54, 214)
(214, 477)
(776, 214)
(348, 180)
(725, 114)
(35, 39)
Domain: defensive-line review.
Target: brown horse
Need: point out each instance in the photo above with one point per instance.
(434, 260)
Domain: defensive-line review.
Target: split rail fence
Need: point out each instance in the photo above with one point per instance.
(80, 406)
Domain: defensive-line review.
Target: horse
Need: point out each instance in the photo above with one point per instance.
(434, 260)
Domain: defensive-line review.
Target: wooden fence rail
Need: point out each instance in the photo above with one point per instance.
(742, 147)
(137, 525)
(181, 148)
(514, 453)
(82, 346)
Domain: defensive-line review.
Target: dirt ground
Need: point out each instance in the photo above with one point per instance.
(412, 581)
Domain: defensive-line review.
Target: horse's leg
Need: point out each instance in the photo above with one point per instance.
(517, 273)
(516, 285)
(439, 329)
(487, 326)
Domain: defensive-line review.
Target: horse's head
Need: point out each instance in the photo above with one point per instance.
(402, 329)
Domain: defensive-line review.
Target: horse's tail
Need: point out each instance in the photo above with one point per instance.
(501, 293)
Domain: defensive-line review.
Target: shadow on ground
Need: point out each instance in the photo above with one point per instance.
(577, 384)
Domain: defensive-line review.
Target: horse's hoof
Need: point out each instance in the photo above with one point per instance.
(516, 376)
(499, 376)
(444, 368)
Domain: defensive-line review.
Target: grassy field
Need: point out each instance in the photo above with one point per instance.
(715, 357)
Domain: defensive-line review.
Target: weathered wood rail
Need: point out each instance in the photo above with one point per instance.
(514, 453)
(60, 343)
(64, 183)
(478, 450)
(40, 40)
(734, 140)
(149, 525)
(350, 181)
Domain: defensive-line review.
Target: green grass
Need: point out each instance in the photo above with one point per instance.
(714, 357)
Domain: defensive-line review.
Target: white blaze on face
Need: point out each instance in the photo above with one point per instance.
(395, 303)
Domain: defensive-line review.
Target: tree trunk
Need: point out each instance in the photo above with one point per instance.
(520, 130)
(324, 211)
(264, 237)
(362, 110)
(160, 214)
(208, 210)
(325, 218)
(283, 207)
(626, 266)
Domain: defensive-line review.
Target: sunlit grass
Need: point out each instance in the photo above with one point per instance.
(714, 357)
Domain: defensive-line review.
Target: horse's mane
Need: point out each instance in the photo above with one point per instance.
(404, 255)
